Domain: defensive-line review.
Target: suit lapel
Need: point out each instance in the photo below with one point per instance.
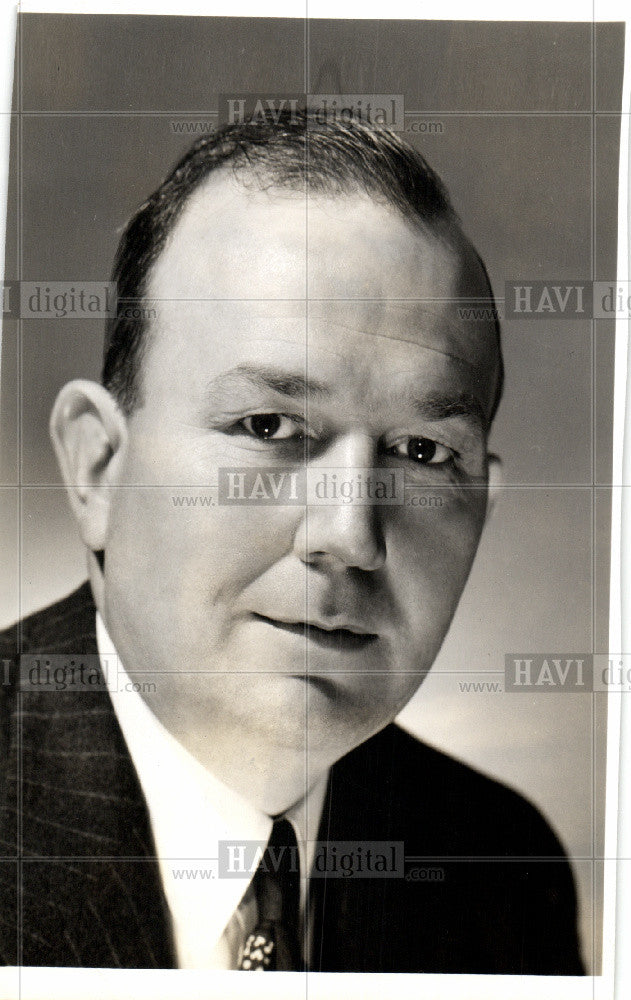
(92, 893)
(349, 913)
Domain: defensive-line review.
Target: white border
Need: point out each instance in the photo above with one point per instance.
(48, 984)
(153, 984)
(413, 10)
(616, 957)
(623, 455)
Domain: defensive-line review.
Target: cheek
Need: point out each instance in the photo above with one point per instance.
(433, 549)
(181, 544)
(230, 546)
(444, 520)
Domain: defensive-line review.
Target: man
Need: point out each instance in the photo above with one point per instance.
(301, 282)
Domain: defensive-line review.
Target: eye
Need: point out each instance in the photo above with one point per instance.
(422, 450)
(272, 426)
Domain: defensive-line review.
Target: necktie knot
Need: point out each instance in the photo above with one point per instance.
(273, 945)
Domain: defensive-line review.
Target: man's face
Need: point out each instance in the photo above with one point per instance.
(287, 331)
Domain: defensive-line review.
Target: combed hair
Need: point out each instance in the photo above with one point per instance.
(288, 150)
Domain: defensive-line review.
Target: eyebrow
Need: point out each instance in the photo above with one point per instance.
(434, 406)
(285, 383)
(443, 406)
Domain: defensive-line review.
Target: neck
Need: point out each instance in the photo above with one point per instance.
(270, 776)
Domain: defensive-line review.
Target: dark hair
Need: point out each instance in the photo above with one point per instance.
(292, 150)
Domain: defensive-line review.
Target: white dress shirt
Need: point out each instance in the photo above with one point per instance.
(190, 812)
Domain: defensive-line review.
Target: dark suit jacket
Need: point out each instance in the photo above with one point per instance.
(78, 872)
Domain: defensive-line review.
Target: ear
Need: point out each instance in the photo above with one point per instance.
(89, 435)
(496, 481)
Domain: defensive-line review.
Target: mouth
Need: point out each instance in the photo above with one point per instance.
(327, 638)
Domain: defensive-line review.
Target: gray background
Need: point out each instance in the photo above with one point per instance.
(529, 151)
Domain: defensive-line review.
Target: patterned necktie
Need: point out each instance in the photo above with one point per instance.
(273, 945)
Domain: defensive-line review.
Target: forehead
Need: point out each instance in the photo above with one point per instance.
(327, 269)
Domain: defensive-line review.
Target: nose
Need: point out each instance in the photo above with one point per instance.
(342, 533)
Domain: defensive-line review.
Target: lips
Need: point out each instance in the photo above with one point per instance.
(351, 638)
